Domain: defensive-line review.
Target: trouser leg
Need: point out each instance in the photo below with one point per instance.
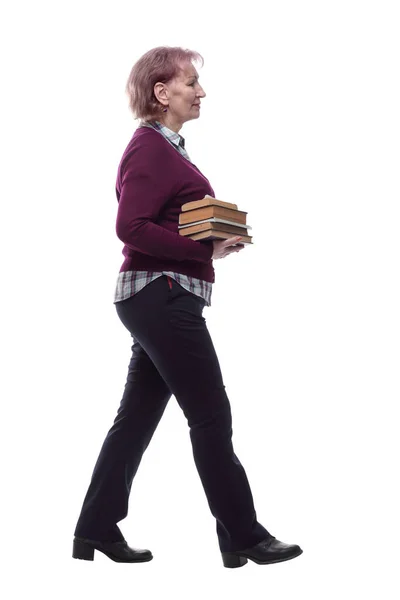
(143, 403)
(169, 325)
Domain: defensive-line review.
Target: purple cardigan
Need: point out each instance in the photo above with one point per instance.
(153, 182)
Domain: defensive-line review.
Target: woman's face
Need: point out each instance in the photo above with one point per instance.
(181, 95)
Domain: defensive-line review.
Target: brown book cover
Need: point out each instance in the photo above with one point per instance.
(207, 201)
(215, 227)
(211, 234)
(206, 212)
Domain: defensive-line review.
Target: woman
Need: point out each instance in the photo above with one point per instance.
(163, 285)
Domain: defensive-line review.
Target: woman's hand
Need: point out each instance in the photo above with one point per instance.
(224, 247)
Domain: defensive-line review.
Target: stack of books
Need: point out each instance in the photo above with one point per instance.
(211, 219)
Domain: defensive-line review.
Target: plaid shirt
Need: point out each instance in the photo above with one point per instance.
(130, 283)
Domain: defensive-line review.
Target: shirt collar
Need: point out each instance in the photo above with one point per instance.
(174, 137)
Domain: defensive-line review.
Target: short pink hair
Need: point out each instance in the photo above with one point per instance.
(159, 64)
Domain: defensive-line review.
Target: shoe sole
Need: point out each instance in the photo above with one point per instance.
(114, 558)
(233, 561)
(83, 551)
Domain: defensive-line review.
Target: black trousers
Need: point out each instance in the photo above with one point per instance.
(172, 354)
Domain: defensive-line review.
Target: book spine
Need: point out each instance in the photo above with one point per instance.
(214, 227)
(204, 213)
(207, 202)
(215, 235)
(215, 220)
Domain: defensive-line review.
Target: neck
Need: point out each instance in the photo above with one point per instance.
(170, 122)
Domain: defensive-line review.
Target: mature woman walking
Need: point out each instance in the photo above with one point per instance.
(163, 285)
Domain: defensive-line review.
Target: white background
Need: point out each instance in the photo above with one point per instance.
(300, 128)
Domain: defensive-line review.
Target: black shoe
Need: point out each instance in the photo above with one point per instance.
(265, 552)
(117, 551)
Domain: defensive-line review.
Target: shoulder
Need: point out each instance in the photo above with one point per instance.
(147, 150)
(147, 136)
(147, 141)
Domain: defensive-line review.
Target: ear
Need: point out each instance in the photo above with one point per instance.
(161, 92)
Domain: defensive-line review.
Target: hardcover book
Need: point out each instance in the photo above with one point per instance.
(216, 220)
(211, 234)
(238, 216)
(214, 226)
(207, 201)
(212, 219)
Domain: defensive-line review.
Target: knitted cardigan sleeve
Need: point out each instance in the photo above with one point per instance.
(141, 198)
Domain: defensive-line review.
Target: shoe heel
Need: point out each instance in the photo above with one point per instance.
(232, 560)
(82, 551)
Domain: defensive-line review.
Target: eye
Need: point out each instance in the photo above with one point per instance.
(193, 82)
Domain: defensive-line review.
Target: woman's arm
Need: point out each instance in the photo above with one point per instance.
(147, 185)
